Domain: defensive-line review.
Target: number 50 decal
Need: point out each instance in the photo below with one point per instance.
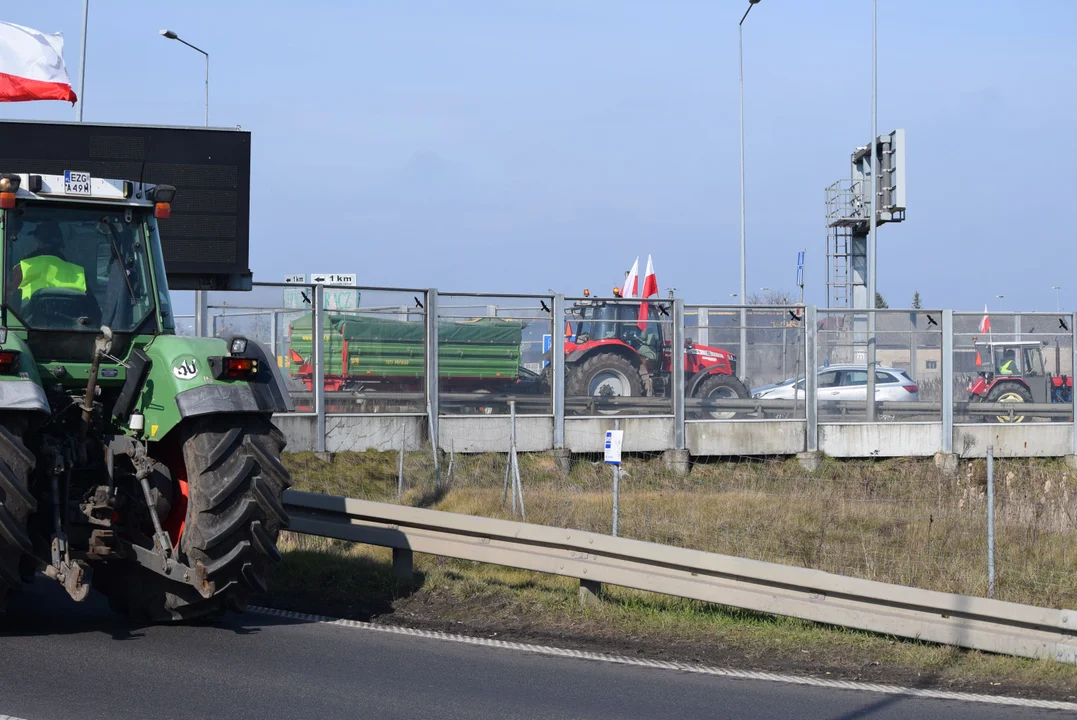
(185, 368)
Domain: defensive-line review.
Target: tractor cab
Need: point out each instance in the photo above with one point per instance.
(598, 320)
(79, 254)
(1013, 371)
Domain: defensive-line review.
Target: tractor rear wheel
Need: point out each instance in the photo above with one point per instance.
(721, 387)
(604, 375)
(1009, 392)
(232, 479)
(16, 502)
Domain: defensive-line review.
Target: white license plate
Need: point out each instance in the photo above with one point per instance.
(76, 183)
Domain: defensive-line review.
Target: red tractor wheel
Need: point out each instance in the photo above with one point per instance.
(604, 375)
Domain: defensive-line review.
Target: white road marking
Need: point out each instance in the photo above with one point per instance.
(668, 665)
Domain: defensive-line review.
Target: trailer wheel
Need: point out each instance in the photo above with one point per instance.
(1009, 392)
(232, 480)
(16, 502)
(604, 375)
(720, 387)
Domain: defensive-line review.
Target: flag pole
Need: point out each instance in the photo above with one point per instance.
(82, 63)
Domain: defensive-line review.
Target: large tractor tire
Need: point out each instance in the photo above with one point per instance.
(16, 502)
(720, 387)
(231, 481)
(1009, 392)
(604, 375)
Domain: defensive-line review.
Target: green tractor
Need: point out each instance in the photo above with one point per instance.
(132, 461)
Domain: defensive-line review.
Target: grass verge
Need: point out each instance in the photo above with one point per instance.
(895, 521)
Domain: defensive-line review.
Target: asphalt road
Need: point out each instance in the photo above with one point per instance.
(62, 660)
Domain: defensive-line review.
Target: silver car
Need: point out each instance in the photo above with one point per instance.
(848, 382)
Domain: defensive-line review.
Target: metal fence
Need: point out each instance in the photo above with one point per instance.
(362, 363)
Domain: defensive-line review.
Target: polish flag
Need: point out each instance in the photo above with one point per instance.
(32, 65)
(985, 323)
(650, 289)
(631, 286)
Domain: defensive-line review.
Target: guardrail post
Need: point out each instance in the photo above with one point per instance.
(947, 376)
(677, 360)
(561, 455)
(811, 396)
(403, 565)
(317, 336)
(590, 593)
(432, 376)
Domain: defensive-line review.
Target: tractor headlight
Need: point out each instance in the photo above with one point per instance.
(238, 346)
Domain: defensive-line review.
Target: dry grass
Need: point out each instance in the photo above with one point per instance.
(898, 521)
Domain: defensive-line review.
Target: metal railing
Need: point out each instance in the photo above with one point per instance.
(786, 341)
(961, 620)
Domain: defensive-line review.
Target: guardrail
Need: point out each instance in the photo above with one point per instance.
(961, 620)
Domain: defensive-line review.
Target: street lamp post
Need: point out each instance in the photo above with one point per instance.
(743, 246)
(173, 36)
(201, 311)
(82, 63)
(873, 221)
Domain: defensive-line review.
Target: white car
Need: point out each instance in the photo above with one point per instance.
(848, 382)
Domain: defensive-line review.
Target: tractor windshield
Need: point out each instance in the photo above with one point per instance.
(77, 268)
(1017, 360)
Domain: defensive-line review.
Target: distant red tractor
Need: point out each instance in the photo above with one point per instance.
(1013, 372)
(607, 354)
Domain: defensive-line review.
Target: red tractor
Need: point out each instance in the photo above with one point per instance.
(607, 354)
(1013, 372)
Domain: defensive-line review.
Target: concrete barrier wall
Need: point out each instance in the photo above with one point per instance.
(1014, 440)
(298, 431)
(492, 434)
(588, 435)
(745, 438)
(890, 439)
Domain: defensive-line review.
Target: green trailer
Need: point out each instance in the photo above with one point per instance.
(362, 351)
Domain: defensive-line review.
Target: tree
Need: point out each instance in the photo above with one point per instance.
(916, 304)
(880, 303)
(772, 297)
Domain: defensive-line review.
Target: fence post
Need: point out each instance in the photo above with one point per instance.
(811, 363)
(677, 361)
(947, 383)
(317, 336)
(400, 459)
(432, 376)
(990, 521)
(274, 317)
(616, 486)
(1073, 390)
(703, 324)
(561, 455)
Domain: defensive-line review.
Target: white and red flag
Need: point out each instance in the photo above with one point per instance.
(631, 286)
(32, 65)
(985, 323)
(650, 289)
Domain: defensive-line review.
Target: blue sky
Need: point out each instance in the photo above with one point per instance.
(511, 145)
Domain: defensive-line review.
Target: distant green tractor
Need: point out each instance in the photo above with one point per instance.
(132, 460)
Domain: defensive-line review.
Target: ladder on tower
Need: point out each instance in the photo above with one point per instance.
(837, 258)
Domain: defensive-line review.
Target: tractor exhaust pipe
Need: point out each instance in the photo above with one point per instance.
(101, 347)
